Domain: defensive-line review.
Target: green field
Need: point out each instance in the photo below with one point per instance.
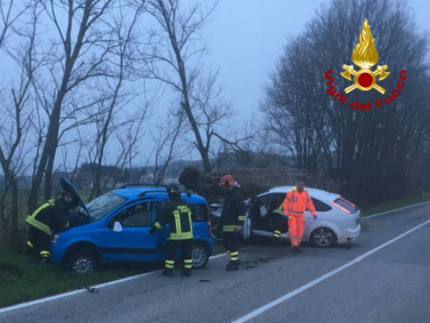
(22, 278)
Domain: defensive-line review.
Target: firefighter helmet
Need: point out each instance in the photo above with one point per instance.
(173, 191)
(227, 181)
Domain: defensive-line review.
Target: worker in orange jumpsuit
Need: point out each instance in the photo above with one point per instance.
(295, 204)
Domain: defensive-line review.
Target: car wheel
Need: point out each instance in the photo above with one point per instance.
(82, 262)
(323, 237)
(200, 255)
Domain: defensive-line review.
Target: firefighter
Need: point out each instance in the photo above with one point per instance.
(49, 218)
(177, 213)
(232, 218)
(295, 204)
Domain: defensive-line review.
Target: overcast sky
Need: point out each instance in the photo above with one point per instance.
(245, 38)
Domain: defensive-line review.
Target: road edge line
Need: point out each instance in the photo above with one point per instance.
(393, 210)
(316, 281)
(82, 290)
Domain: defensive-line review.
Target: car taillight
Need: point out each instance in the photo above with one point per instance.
(340, 207)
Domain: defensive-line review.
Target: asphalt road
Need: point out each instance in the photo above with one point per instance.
(352, 283)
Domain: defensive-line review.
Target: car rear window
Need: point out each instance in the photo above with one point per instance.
(346, 204)
(200, 212)
(320, 206)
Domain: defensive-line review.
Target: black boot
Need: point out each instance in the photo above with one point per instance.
(186, 272)
(168, 272)
(44, 260)
(232, 266)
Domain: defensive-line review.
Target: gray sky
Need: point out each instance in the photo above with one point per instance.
(245, 38)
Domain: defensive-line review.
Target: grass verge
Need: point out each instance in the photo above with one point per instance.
(22, 278)
(395, 204)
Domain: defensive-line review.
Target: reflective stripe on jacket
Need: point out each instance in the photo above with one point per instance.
(296, 203)
(31, 219)
(178, 214)
(233, 212)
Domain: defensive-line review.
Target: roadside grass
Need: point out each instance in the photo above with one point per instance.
(22, 278)
(395, 204)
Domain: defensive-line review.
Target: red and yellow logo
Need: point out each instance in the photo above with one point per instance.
(365, 56)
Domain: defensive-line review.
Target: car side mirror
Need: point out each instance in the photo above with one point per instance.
(117, 227)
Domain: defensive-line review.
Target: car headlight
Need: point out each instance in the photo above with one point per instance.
(55, 237)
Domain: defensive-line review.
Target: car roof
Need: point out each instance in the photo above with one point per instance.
(314, 192)
(135, 192)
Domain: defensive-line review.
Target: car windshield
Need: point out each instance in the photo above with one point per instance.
(102, 205)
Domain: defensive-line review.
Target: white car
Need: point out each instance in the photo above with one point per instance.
(338, 218)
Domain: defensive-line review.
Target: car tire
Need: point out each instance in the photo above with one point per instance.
(200, 254)
(323, 237)
(82, 262)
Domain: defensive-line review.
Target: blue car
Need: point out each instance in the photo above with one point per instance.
(116, 228)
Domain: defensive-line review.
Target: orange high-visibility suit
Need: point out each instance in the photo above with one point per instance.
(295, 204)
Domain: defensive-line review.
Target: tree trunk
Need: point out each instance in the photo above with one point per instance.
(14, 213)
(48, 175)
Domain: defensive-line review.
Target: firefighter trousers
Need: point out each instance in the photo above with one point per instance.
(296, 225)
(231, 244)
(186, 247)
(39, 243)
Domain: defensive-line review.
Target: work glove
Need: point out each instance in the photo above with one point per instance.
(315, 217)
(152, 230)
(239, 228)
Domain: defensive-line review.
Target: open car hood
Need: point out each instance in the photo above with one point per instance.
(67, 186)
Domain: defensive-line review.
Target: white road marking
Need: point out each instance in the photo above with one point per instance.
(314, 282)
(114, 282)
(402, 208)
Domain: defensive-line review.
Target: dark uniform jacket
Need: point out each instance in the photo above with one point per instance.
(233, 212)
(177, 213)
(50, 217)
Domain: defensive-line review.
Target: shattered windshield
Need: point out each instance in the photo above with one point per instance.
(102, 205)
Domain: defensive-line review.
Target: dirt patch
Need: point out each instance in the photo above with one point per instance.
(253, 263)
(9, 273)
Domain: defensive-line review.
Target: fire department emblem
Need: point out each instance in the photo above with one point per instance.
(365, 56)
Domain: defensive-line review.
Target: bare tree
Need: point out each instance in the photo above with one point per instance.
(77, 55)
(115, 97)
(369, 150)
(15, 121)
(9, 14)
(175, 48)
(166, 135)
